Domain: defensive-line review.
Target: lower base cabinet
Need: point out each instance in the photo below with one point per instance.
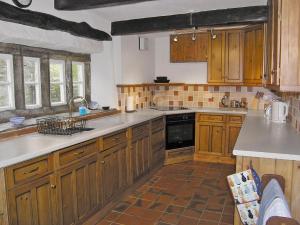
(34, 203)
(216, 135)
(113, 171)
(77, 191)
(140, 154)
(68, 186)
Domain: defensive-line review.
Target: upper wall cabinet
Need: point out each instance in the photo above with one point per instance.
(185, 48)
(225, 57)
(283, 46)
(254, 55)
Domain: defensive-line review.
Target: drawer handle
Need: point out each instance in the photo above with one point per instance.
(53, 186)
(32, 171)
(102, 162)
(116, 139)
(78, 153)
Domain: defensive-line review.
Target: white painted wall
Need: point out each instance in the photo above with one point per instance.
(137, 66)
(177, 72)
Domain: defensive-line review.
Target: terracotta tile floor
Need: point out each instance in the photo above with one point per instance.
(190, 193)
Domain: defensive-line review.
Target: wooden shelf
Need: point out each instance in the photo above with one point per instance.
(186, 84)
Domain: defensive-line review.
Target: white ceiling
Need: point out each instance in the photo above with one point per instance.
(169, 7)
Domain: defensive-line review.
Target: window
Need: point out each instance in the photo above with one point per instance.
(57, 82)
(32, 82)
(78, 79)
(6, 82)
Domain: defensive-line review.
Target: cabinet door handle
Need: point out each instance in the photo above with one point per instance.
(78, 153)
(53, 186)
(32, 171)
(102, 162)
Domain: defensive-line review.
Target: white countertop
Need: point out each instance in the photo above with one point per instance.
(29, 146)
(258, 137)
(262, 138)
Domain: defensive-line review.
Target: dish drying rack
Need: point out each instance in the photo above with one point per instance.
(60, 125)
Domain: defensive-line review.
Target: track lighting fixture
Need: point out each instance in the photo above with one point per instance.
(175, 39)
(213, 36)
(194, 37)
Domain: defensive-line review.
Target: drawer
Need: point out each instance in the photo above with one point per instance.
(211, 118)
(29, 170)
(114, 139)
(76, 152)
(235, 118)
(140, 130)
(157, 124)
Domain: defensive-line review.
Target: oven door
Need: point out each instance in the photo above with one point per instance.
(180, 134)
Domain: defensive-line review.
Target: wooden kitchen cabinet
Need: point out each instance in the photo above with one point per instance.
(78, 195)
(188, 50)
(254, 55)
(225, 57)
(140, 151)
(157, 142)
(216, 135)
(233, 128)
(114, 171)
(33, 203)
(283, 46)
(216, 58)
(210, 137)
(234, 47)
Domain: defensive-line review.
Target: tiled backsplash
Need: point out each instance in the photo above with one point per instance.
(294, 108)
(189, 95)
(203, 96)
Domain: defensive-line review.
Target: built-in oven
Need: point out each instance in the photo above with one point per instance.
(180, 131)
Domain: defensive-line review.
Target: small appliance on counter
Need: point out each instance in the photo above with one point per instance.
(161, 80)
(277, 111)
(130, 104)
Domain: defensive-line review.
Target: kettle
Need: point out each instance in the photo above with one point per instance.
(277, 112)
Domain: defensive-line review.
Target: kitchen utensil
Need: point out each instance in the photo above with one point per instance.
(235, 104)
(277, 112)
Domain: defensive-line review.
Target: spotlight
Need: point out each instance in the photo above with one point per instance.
(213, 36)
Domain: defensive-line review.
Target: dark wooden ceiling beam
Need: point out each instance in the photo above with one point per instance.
(91, 4)
(222, 17)
(45, 21)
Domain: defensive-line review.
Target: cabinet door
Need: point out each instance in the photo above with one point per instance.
(234, 56)
(158, 148)
(217, 138)
(176, 49)
(273, 43)
(33, 204)
(201, 47)
(114, 171)
(216, 56)
(232, 133)
(78, 191)
(188, 47)
(140, 157)
(253, 55)
(203, 138)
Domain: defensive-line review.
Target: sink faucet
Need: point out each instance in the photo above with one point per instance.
(71, 104)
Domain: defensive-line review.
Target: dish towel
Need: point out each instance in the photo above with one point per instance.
(273, 203)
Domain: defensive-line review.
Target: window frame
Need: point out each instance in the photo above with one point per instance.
(63, 83)
(82, 82)
(10, 83)
(37, 83)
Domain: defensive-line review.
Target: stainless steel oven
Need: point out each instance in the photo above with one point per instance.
(180, 131)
